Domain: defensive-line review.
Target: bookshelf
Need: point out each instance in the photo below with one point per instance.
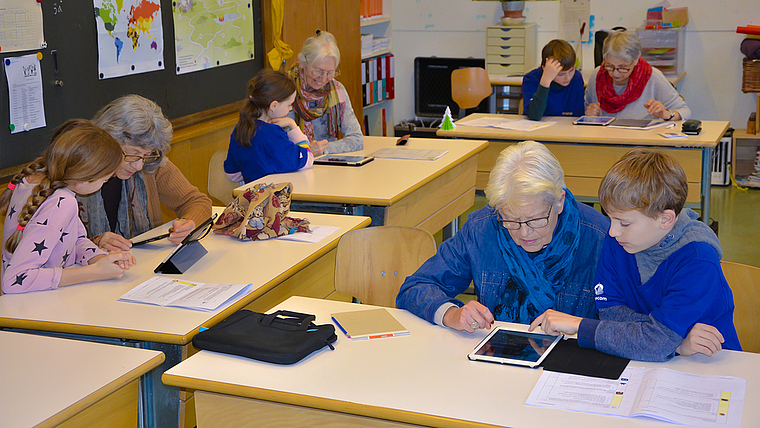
(378, 110)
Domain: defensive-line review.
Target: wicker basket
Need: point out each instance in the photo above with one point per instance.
(751, 75)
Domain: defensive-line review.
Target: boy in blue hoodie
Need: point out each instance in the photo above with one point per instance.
(659, 287)
(555, 88)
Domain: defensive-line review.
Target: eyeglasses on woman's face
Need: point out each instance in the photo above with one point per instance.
(534, 223)
(622, 68)
(318, 73)
(150, 157)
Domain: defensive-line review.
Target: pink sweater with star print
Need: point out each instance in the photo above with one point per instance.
(53, 239)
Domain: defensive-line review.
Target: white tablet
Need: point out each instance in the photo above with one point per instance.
(593, 120)
(506, 346)
(345, 160)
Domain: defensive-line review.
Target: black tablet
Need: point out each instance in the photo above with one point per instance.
(344, 160)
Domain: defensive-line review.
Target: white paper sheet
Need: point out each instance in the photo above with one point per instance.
(21, 25)
(27, 110)
(408, 154)
(574, 14)
(317, 234)
(200, 296)
(668, 395)
(513, 124)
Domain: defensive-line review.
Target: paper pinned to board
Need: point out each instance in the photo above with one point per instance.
(27, 109)
(574, 15)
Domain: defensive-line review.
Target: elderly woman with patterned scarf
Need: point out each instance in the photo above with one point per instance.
(628, 87)
(130, 202)
(533, 248)
(322, 108)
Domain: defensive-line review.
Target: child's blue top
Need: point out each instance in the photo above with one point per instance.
(271, 152)
(556, 100)
(646, 320)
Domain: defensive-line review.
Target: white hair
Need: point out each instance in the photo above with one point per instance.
(622, 44)
(523, 172)
(315, 48)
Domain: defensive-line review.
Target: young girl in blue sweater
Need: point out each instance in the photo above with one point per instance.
(265, 141)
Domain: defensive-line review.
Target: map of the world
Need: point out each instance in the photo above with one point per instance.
(130, 37)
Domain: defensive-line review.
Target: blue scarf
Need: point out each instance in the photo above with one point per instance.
(536, 278)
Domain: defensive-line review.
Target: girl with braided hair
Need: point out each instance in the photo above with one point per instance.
(45, 245)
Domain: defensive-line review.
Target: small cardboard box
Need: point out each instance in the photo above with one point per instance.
(678, 17)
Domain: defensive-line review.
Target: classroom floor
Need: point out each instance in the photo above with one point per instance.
(737, 213)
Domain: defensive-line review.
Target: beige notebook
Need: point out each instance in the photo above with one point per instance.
(368, 324)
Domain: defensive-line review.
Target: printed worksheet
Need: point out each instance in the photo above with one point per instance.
(667, 395)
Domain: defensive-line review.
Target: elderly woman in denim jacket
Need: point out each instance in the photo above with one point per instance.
(533, 248)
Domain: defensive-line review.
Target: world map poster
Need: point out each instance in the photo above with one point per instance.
(212, 33)
(130, 37)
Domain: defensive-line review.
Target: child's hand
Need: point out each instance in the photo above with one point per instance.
(126, 263)
(702, 339)
(552, 68)
(285, 123)
(593, 109)
(553, 323)
(110, 266)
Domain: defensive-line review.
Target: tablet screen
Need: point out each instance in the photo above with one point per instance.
(514, 347)
(593, 120)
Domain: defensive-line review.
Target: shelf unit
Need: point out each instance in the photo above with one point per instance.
(744, 153)
(379, 27)
(510, 50)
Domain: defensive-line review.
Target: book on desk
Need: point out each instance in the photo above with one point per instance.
(368, 324)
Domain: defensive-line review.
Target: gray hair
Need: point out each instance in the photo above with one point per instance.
(315, 48)
(523, 172)
(137, 121)
(622, 44)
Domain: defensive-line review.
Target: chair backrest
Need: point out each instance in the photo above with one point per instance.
(745, 284)
(219, 185)
(469, 86)
(372, 263)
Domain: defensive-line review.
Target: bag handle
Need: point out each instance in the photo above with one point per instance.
(295, 319)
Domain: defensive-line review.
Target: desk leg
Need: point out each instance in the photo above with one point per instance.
(159, 403)
(707, 163)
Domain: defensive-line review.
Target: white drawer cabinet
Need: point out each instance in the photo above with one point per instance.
(511, 50)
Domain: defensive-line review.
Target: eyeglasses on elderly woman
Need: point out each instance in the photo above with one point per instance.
(534, 223)
(318, 73)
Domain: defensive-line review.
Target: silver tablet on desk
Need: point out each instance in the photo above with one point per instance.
(593, 120)
(507, 346)
(345, 160)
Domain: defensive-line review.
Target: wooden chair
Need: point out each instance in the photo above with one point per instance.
(219, 185)
(744, 281)
(372, 263)
(469, 86)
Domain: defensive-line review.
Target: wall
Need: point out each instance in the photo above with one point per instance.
(456, 28)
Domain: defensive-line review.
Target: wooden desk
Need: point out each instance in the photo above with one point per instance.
(393, 192)
(424, 378)
(48, 381)
(277, 269)
(587, 152)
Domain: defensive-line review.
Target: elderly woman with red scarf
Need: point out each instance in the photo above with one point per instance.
(322, 108)
(628, 87)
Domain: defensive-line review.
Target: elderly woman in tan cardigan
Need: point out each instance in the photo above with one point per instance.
(130, 202)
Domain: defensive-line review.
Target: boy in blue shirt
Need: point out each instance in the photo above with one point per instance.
(659, 287)
(555, 88)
